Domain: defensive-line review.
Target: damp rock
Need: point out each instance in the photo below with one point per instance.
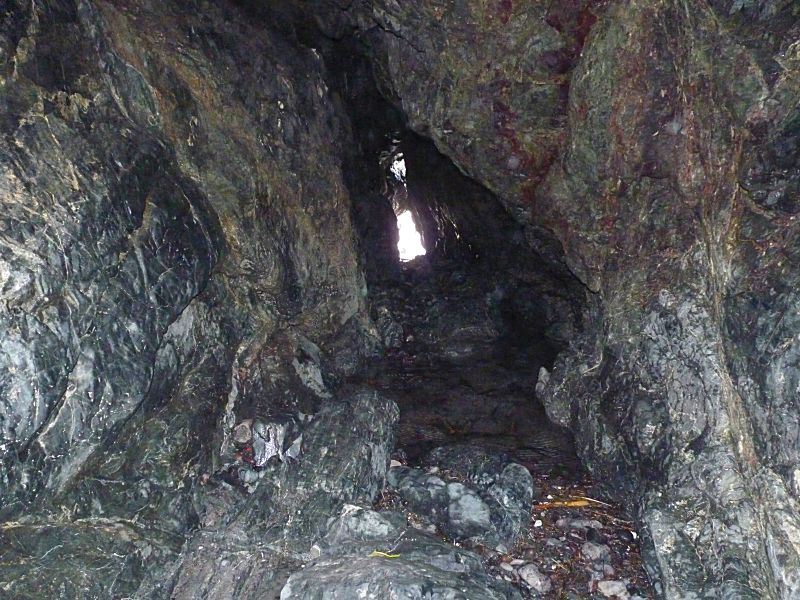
(617, 590)
(490, 505)
(366, 554)
(581, 524)
(279, 437)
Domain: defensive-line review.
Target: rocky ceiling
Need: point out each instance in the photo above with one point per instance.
(180, 244)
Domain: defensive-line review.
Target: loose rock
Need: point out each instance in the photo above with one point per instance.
(531, 575)
(491, 508)
(613, 589)
(595, 552)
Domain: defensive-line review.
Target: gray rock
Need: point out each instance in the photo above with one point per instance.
(582, 524)
(426, 493)
(613, 589)
(276, 437)
(596, 552)
(537, 580)
(467, 515)
(414, 565)
(492, 507)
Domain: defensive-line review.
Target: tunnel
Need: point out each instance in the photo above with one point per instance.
(475, 299)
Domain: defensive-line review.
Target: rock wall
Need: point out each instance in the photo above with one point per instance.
(176, 254)
(658, 141)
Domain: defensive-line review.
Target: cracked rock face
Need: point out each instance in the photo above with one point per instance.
(174, 236)
(177, 257)
(658, 141)
(142, 175)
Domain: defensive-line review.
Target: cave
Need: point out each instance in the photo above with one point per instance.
(484, 299)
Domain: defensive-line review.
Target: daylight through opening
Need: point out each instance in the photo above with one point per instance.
(409, 245)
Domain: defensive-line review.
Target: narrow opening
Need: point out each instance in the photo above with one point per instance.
(409, 242)
(398, 168)
(409, 246)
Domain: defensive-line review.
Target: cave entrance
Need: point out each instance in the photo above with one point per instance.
(468, 328)
(409, 246)
(409, 243)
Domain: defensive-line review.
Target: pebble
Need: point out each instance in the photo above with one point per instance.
(614, 589)
(628, 536)
(553, 542)
(507, 567)
(531, 575)
(579, 524)
(531, 554)
(595, 552)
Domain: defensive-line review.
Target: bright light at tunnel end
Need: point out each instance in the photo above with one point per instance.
(410, 244)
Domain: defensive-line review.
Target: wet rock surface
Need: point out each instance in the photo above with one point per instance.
(490, 508)
(194, 260)
(369, 554)
(657, 141)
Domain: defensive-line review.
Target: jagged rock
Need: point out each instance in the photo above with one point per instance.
(613, 589)
(538, 581)
(665, 171)
(413, 565)
(263, 537)
(127, 181)
(97, 558)
(490, 505)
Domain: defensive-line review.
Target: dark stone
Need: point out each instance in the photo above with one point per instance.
(484, 497)
(194, 204)
(376, 555)
(248, 542)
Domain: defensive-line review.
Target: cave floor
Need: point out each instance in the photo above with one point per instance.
(582, 542)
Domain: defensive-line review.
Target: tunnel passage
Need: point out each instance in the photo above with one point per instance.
(468, 324)
(467, 328)
(476, 315)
